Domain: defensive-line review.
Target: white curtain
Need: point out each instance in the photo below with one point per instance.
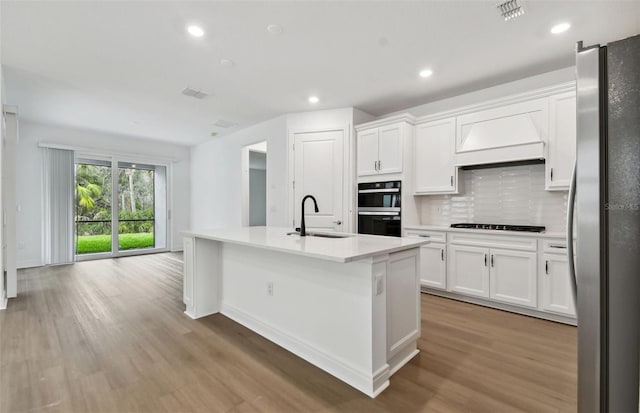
(58, 206)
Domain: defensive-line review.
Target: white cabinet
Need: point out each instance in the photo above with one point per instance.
(433, 258)
(555, 280)
(368, 152)
(500, 268)
(513, 277)
(390, 149)
(503, 134)
(469, 270)
(561, 148)
(434, 169)
(433, 268)
(380, 149)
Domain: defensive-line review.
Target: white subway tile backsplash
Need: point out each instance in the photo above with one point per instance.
(504, 195)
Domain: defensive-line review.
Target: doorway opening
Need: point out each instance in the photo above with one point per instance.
(254, 185)
(120, 208)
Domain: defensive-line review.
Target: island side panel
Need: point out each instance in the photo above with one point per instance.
(202, 276)
(403, 307)
(320, 310)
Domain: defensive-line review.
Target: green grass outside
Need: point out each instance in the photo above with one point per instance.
(88, 244)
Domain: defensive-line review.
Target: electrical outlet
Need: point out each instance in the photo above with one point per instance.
(379, 284)
(270, 288)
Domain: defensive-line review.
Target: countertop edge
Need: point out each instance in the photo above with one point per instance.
(487, 232)
(333, 258)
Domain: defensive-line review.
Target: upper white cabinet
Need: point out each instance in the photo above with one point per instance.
(561, 148)
(380, 149)
(503, 134)
(435, 170)
(368, 152)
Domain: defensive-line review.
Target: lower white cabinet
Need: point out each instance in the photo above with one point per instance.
(513, 277)
(556, 285)
(503, 275)
(433, 266)
(469, 270)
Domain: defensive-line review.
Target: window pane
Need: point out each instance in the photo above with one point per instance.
(93, 207)
(136, 198)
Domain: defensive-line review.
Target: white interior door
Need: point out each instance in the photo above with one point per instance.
(319, 166)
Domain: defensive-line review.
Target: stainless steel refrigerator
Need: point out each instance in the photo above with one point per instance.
(606, 187)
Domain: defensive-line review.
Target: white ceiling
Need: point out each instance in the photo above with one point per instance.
(119, 66)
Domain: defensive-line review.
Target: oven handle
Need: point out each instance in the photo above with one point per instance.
(377, 191)
(378, 213)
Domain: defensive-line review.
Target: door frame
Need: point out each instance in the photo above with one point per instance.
(348, 183)
(115, 159)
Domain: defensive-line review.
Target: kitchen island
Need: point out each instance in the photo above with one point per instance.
(348, 305)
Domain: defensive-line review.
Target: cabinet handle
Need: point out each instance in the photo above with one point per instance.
(485, 260)
(441, 254)
(375, 165)
(379, 165)
(492, 260)
(551, 174)
(451, 180)
(546, 267)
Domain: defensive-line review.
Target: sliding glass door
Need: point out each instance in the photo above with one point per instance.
(130, 197)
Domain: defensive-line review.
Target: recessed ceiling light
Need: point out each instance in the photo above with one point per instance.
(274, 29)
(313, 99)
(425, 73)
(560, 28)
(227, 62)
(195, 31)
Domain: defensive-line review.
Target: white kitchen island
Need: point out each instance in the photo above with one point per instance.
(350, 306)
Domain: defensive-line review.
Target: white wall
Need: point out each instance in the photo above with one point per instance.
(2, 280)
(506, 89)
(216, 176)
(29, 178)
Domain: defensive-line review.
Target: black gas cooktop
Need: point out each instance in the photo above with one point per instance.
(500, 227)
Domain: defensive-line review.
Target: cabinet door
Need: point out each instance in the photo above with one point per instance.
(367, 152)
(556, 285)
(187, 281)
(562, 141)
(469, 270)
(390, 149)
(433, 269)
(434, 163)
(513, 277)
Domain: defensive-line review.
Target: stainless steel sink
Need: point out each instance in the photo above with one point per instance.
(321, 234)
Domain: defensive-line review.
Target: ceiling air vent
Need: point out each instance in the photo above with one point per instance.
(225, 124)
(198, 94)
(511, 9)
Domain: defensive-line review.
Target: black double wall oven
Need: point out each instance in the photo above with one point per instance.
(379, 209)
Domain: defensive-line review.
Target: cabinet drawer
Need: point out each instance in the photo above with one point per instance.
(493, 241)
(554, 246)
(432, 236)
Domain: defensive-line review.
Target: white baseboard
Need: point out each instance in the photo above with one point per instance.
(29, 264)
(501, 306)
(368, 383)
(3, 302)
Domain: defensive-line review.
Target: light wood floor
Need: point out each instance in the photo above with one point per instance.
(110, 336)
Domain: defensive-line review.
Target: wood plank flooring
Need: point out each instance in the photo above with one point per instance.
(110, 336)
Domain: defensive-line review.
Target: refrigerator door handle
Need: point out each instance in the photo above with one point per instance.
(570, 211)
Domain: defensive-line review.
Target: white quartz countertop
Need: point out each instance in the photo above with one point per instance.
(355, 247)
(487, 231)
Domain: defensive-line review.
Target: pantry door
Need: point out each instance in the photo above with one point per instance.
(319, 168)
